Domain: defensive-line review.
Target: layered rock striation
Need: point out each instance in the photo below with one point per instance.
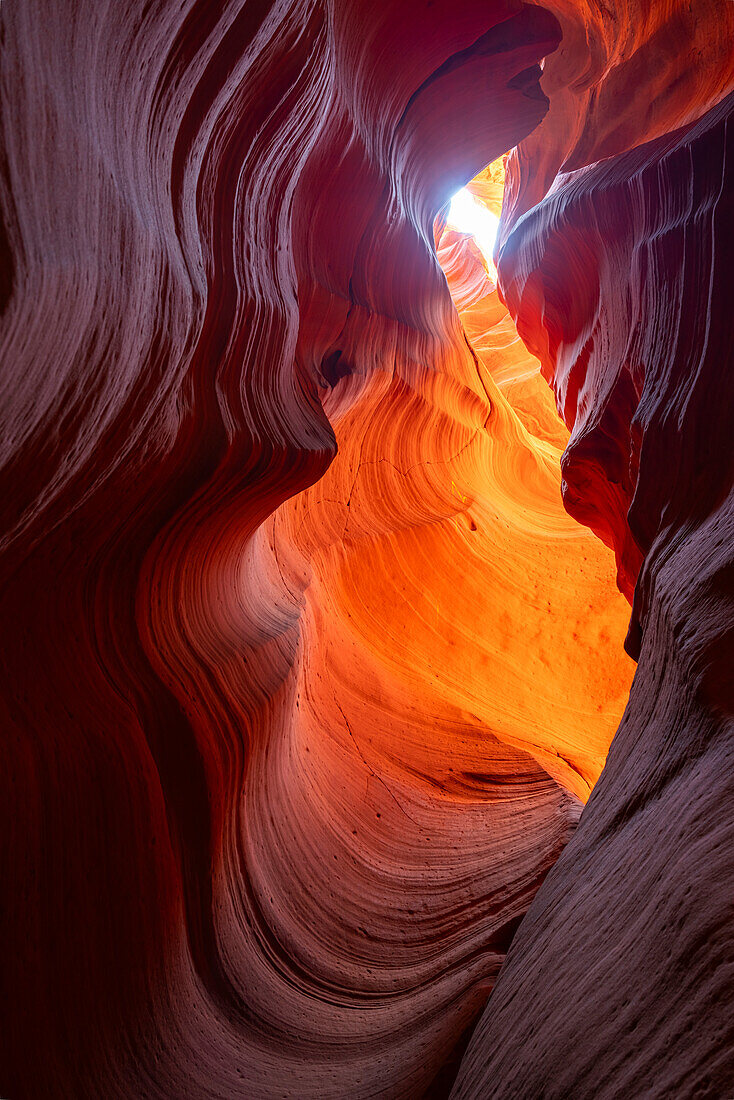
(306, 672)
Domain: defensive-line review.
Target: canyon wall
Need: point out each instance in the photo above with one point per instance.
(619, 982)
(306, 672)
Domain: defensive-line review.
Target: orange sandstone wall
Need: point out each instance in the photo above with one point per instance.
(294, 719)
(276, 790)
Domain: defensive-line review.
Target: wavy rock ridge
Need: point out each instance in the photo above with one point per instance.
(293, 729)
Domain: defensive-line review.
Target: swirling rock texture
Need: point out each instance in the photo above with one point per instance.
(306, 672)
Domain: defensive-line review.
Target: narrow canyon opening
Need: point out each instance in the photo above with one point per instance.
(592, 622)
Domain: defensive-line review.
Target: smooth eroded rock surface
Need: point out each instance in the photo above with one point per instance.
(306, 673)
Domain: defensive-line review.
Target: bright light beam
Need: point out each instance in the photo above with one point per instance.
(469, 216)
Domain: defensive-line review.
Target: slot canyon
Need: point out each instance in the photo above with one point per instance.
(367, 581)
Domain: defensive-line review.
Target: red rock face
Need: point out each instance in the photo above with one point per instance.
(293, 729)
(632, 932)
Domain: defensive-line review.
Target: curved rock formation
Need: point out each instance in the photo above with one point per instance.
(306, 672)
(632, 932)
